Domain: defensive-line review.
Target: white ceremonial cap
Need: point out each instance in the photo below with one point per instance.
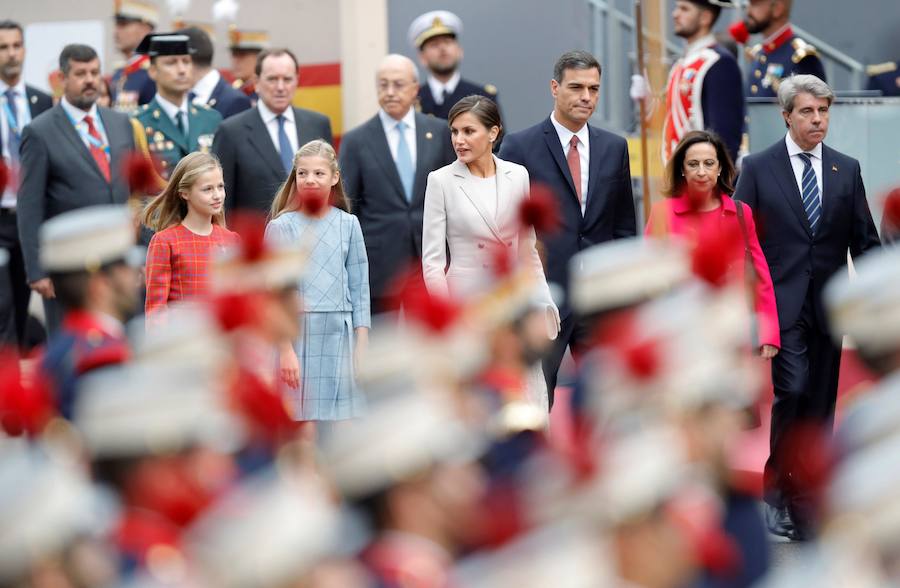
(87, 238)
(867, 306)
(626, 271)
(433, 24)
(266, 532)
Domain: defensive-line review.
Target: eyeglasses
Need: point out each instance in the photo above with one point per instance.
(398, 85)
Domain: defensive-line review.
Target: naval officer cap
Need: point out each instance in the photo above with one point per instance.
(87, 239)
(436, 23)
(162, 44)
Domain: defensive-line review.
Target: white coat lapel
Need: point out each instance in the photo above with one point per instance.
(463, 177)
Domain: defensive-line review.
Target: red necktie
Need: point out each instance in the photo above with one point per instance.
(97, 151)
(574, 160)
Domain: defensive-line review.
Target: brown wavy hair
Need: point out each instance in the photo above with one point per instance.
(284, 199)
(169, 208)
(673, 180)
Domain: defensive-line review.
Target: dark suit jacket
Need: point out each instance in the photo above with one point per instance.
(38, 102)
(463, 88)
(227, 100)
(609, 213)
(250, 162)
(722, 100)
(799, 262)
(59, 174)
(392, 227)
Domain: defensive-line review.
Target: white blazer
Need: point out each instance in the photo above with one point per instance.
(457, 221)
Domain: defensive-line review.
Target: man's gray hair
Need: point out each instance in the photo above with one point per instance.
(798, 84)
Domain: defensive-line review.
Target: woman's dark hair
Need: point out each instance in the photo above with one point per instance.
(482, 108)
(673, 184)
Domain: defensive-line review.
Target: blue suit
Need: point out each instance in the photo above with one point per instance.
(226, 100)
(885, 78)
(464, 88)
(137, 83)
(805, 371)
(609, 211)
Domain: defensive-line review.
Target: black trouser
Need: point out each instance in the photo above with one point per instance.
(805, 379)
(574, 334)
(14, 289)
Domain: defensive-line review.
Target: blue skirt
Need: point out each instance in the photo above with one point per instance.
(328, 391)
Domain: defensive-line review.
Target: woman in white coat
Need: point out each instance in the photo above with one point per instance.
(471, 209)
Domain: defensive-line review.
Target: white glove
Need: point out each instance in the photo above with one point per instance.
(640, 88)
(554, 326)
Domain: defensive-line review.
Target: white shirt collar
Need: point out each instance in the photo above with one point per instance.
(389, 123)
(76, 113)
(19, 88)
(565, 135)
(205, 85)
(268, 116)
(172, 109)
(794, 149)
(700, 44)
(437, 87)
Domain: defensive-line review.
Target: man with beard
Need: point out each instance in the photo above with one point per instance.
(72, 157)
(704, 89)
(174, 126)
(434, 34)
(90, 256)
(781, 54)
(131, 84)
(20, 104)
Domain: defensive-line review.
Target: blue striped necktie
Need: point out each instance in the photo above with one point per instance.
(15, 134)
(812, 204)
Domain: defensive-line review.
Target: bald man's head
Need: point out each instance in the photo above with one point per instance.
(397, 82)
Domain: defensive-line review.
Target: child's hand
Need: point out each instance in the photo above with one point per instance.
(289, 367)
(359, 351)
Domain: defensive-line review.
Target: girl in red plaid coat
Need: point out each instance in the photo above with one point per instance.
(188, 217)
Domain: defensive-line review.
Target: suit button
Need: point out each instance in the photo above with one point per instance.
(481, 245)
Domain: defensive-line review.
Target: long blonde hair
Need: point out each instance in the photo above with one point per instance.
(285, 201)
(169, 208)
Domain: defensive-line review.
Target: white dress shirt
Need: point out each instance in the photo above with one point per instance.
(204, 87)
(584, 152)
(438, 87)
(390, 131)
(77, 115)
(23, 117)
(270, 119)
(172, 110)
(797, 163)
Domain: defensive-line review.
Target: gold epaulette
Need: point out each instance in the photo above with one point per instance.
(881, 68)
(237, 84)
(490, 89)
(802, 50)
(753, 51)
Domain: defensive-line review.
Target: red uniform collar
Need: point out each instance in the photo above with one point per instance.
(773, 43)
(82, 321)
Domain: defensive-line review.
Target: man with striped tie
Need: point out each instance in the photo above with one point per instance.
(810, 208)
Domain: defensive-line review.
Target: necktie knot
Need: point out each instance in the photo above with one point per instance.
(401, 126)
(89, 121)
(10, 95)
(573, 142)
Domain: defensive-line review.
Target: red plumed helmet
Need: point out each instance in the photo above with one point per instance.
(143, 172)
(540, 210)
(24, 409)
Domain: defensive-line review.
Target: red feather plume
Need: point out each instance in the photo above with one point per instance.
(143, 172)
(4, 175)
(714, 255)
(540, 210)
(24, 409)
(263, 408)
(436, 313)
(251, 226)
(892, 209)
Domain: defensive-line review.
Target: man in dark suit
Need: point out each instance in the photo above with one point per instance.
(72, 157)
(257, 147)
(588, 171)
(810, 208)
(20, 103)
(434, 35)
(210, 88)
(385, 163)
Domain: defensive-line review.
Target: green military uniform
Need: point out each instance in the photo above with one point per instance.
(167, 143)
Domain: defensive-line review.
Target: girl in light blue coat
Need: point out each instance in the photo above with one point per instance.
(311, 211)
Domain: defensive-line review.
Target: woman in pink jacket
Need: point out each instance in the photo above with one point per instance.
(699, 179)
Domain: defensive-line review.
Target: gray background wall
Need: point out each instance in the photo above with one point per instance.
(513, 43)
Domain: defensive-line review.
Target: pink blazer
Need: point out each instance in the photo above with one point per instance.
(677, 210)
